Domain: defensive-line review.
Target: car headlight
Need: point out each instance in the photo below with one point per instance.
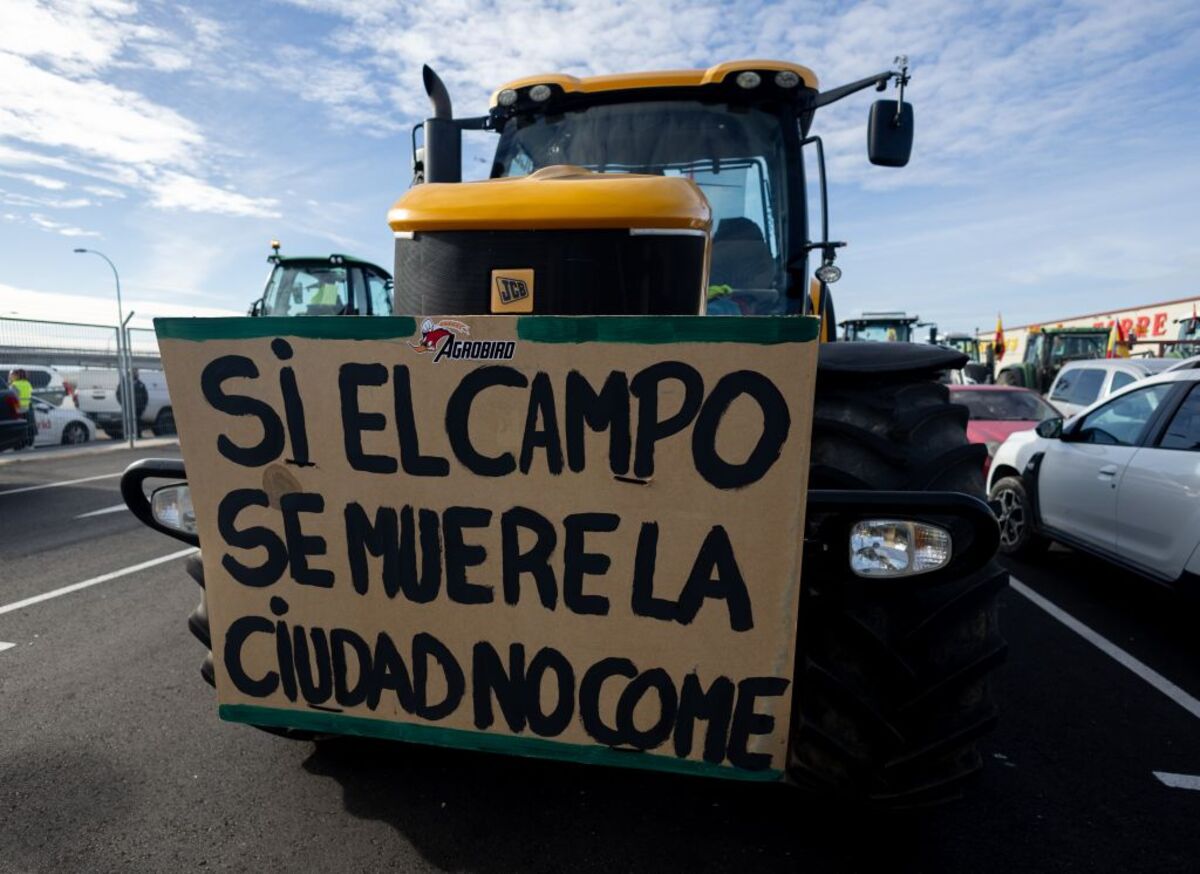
(898, 548)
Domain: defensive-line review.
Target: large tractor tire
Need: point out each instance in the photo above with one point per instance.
(892, 674)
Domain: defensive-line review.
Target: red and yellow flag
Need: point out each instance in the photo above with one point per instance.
(998, 343)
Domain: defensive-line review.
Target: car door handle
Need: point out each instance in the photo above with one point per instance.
(1108, 470)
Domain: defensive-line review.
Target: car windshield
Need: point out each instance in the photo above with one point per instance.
(735, 155)
(306, 289)
(1005, 406)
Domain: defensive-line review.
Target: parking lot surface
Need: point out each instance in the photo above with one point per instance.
(112, 756)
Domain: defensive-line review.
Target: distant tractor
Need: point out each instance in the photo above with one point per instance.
(981, 365)
(1047, 350)
(323, 285)
(881, 327)
(1187, 342)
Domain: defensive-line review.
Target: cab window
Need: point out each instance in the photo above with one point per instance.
(1121, 422)
(318, 289)
(379, 290)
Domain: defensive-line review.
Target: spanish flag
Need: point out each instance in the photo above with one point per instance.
(998, 343)
(1118, 342)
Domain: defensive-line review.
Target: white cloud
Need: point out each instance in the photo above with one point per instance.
(90, 117)
(180, 191)
(37, 179)
(59, 227)
(52, 305)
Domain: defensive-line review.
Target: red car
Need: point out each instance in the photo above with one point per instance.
(999, 410)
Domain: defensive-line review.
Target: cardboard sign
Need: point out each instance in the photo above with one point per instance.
(562, 537)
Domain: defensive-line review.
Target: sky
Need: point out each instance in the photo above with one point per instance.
(1055, 170)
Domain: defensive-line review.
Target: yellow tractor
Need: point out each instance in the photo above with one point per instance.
(685, 193)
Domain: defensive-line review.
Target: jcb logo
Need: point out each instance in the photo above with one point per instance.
(512, 291)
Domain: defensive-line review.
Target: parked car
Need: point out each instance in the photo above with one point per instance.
(1119, 480)
(63, 424)
(47, 381)
(14, 428)
(996, 411)
(96, 397)
(1081, 383)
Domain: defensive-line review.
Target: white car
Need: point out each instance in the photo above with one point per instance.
(1081, 383)
(63, 424)
(1120, 480)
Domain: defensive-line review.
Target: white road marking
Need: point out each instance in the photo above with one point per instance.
(115, 508)
(1178, 781)
(66, 482)
(94, 581)
(1110, 649)
(4, 646)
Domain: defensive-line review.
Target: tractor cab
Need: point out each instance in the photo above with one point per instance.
(326, 285)
(737, 131)
(1187, 342)
(881, 327)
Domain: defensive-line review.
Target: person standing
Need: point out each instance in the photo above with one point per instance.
(19, 381)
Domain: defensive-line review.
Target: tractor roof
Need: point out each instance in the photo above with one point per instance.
(334, 258)
(659, 79)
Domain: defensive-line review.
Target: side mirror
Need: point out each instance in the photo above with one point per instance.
(890, 133)
(1051, 429)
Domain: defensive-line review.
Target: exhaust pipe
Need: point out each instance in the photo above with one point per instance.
(443, 136)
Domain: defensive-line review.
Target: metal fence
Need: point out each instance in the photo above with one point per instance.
(80, 351)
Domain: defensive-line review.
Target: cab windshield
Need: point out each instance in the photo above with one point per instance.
(880, 332)
(300, 289)
(735, 154)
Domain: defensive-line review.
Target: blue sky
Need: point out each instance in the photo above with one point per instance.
(1056, 169)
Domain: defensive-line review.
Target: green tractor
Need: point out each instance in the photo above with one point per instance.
(1047, 350)
(323, 285)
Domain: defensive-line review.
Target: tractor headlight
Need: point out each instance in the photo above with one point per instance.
(507, 97)
(829, 273)
(172, 508)
(898, 548)
(539, 93)
(787, 79)
(748, 79)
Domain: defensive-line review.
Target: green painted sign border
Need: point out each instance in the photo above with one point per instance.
(646, 330)
(531, 747)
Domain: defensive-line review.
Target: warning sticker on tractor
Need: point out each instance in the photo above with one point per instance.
(564, 537)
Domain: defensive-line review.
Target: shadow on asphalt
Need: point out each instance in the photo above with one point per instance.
(478, 812)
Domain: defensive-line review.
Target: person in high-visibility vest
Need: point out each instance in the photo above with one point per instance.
(19, 382)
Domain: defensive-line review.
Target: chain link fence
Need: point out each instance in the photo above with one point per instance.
(88, 366)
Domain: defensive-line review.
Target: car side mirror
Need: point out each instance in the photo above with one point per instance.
(890, 133)
(1051, 429)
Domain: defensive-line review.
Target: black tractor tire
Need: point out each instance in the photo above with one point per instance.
(1017, 535)
(892, 675)
(164, 423)
(198, 626)
(74, 433)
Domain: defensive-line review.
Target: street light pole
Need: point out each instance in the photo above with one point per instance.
(123, 360)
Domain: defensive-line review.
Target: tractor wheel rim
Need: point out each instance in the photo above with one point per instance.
(1012, 517)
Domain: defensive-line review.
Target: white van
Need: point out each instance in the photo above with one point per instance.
(96, 397)
(47, 381)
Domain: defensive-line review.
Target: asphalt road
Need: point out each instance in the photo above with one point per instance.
(112, 756)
